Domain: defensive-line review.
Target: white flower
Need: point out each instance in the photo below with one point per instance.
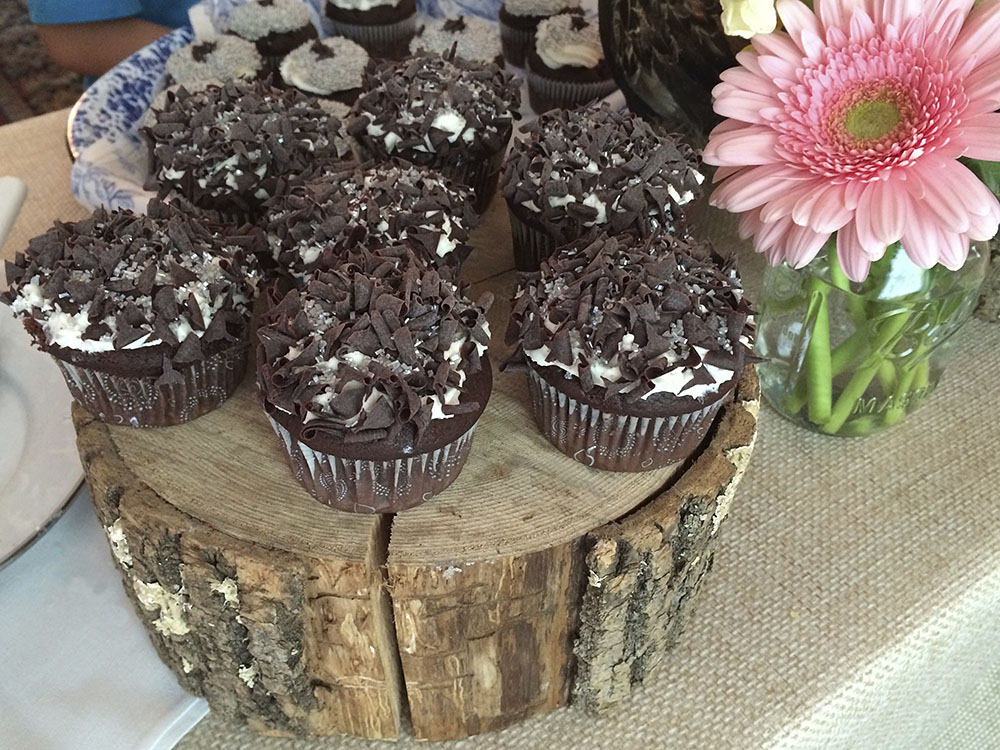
(748, 17)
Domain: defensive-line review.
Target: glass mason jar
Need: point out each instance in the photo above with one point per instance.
(851, 358)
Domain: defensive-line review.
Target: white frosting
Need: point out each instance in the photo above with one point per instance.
(233, 57)
(477, 41)
(538, 7)
(307, 71)
(362, 4)
(559, 44)
(66, 329)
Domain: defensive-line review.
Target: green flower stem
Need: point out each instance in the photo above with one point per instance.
(820, 384)
(887, 377)
(855, 304)
(841, 358)
(914, 375)
(866, 371)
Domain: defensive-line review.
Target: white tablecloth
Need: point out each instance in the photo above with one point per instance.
(77, 670)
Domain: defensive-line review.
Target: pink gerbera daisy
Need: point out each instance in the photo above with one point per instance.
(852, 120)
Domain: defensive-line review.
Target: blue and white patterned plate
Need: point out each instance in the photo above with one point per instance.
(111, 159)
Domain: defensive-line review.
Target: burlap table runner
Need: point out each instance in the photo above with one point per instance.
(855, 599)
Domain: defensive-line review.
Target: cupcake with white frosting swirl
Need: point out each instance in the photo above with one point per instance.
(632, 346)
(328, 68)
(566, 65)
(518, 21)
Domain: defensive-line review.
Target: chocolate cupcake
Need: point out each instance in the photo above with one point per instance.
(311, 224)
(591, 167)
(566, 66)
(330, 68)
(452, 115)
(146, 316)
(472, 38)
(214, 60)
(276, 27)
(383, 27)
(225, 147)
(375, 385)
(518, 21)
(632, 346)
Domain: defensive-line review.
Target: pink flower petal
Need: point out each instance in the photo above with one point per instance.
(939, 199)
(953, 249)
(897, 12)
(778, 44)
(750, 224)
(739, 104)
(754, 187)
(802, 245)
(782, 71)
(920, 240)
(981, 134)
(887, 207)
(978, 37)
(862, 27)
(851, 255)
(780, 207)
(822, 208)
(800, 23)
(723, 172)
(750, 145)
(744, 79)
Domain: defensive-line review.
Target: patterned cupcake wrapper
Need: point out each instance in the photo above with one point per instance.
(614, 441)
(547, 93)
(391, 40)
(481, 175)
(374, 486)
(531, 245)
(514, 43)
(140, 402)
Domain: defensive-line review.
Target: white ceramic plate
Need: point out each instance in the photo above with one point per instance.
(39, 465)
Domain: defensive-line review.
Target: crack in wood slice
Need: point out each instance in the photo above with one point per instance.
(291, 644)
(530, 579)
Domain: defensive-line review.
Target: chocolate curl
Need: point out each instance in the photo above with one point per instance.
(403, 340)
(560, 348)
(165, 303)
(170, 376)
(189, 351)
(193, 310)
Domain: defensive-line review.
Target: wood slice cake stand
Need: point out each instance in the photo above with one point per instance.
(531, 581)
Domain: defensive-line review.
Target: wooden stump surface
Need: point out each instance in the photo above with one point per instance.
(530, 579)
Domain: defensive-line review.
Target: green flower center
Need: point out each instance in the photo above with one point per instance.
(871, 120)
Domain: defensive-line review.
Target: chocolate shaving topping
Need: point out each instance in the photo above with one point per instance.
(622, 312)
(399, 212)
(117, 278)
(582, 168)
(412, 107)
(363, 358)
(225, 147)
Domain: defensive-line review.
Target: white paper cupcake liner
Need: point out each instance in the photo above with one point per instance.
(548, 93)
(616, 442)
(140, 402)
(374, 486)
